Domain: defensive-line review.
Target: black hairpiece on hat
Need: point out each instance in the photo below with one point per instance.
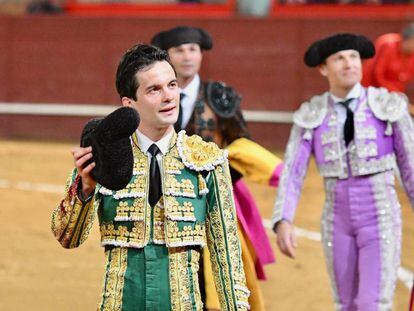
(320, 50)
(111, 147)
(181, 35)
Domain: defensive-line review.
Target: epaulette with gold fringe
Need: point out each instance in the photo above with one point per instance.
(199, 155)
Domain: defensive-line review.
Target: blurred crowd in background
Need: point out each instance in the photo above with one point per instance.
(392, 67)
(245, 7)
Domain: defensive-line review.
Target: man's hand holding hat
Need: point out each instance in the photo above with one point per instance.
(105, 155)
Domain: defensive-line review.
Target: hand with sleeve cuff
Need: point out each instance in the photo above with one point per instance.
(81, 156)
(286, 238)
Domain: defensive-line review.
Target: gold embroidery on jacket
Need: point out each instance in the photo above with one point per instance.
(159, 223)
(222, 219)
(199, 154)
(64, 216)
(90, 217)
(172, 165)
(188, 235)
(135, 189)
(130, 212)
(121, 236)
(183, 188)
(114, 279)
(77, 229)
(195, 259)
(180, 284)
(70, 216)
(177, 211)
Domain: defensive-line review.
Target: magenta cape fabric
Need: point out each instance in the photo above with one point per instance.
(252, 224)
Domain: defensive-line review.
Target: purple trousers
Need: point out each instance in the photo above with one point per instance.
(361, 234)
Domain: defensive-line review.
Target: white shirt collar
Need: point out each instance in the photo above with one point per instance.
(163, 144)
(355, 92)
(191, 90)
(188, 102)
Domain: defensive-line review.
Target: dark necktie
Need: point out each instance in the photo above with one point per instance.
(349, 122)
(155, 177)
(177, 125)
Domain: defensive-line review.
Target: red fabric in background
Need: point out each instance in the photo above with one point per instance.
(389, 68)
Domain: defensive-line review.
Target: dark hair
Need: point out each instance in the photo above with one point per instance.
(137, 58)
(408, 31)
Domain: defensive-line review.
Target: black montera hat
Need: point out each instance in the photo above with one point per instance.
(181, 35)
(320, 50)
(111, 147)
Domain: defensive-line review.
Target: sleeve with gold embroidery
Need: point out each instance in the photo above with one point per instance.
(72, 220)
(223, 242)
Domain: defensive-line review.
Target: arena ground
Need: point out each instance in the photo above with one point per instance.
(37, 274)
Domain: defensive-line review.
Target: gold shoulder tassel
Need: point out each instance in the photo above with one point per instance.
(202, 185)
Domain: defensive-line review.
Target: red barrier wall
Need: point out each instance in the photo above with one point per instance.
(69, 59)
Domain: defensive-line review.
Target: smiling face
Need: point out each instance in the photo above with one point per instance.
(186, 59)
(157, 98)
(343, 70)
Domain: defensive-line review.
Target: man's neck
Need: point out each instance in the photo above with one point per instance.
(183, 81)
(155, 134)
(340, 92)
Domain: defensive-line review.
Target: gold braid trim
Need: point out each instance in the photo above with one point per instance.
(225, 247)
(195, 266)
(214, 258)
(89, 219)
(114, 279)
(68, 219)
(180, 280)
(101, 302)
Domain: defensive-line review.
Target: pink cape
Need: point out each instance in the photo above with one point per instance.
(252, 223)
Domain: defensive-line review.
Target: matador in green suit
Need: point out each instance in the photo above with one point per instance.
(153, 238)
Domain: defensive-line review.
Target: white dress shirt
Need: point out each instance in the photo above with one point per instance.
(188, 102)
(355, 93)
(163, 144)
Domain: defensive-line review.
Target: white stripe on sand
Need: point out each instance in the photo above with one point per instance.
(29, 186)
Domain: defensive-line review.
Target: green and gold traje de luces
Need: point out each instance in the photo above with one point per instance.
(145, 245)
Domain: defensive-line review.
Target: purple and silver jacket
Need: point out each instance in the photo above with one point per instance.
(384, 137)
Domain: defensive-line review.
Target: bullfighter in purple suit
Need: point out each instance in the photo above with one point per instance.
(357, 137)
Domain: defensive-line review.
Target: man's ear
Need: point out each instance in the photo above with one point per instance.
(323, 70)
(126, 102)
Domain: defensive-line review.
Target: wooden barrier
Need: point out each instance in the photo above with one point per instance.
(72, 59)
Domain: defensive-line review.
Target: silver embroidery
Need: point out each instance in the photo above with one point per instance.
(333, 169)
(360, 116)
(361, 167)
(311, 114)
(366, 132)
(333, 119)
(327, 235)
(389, 228)
(386, 106)
(330, 154)
(366, 149)
(330, 136)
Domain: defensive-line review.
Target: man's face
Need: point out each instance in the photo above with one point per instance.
(342, 69)
(157, 96)
(186, 59)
